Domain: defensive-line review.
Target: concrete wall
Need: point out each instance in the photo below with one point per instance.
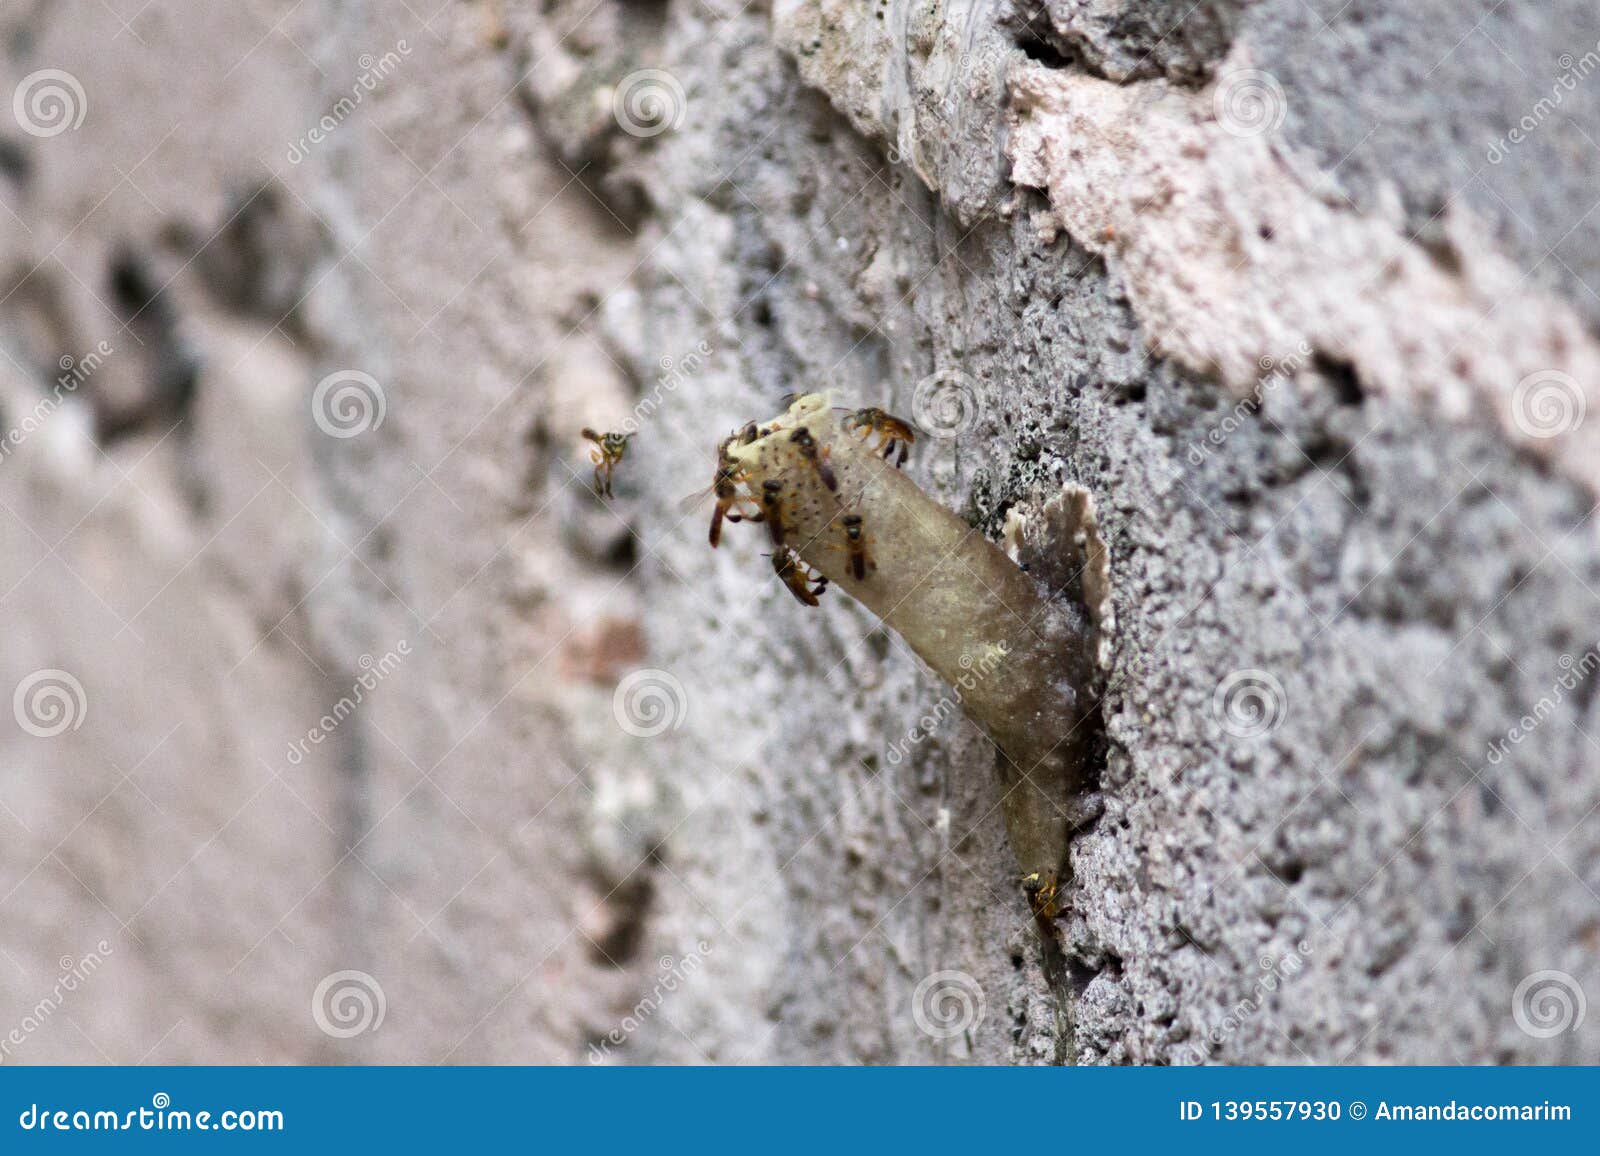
(1302, 293)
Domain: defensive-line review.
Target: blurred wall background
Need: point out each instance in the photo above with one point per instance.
(348, 726)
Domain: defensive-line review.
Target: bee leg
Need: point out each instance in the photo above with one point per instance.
(901, 459)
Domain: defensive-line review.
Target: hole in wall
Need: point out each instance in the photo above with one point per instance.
(1341, 377)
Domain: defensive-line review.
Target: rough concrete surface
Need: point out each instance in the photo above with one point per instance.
(351, 727)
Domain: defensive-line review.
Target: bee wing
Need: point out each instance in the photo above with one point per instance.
(690, 501)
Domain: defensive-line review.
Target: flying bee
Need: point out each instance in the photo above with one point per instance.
(855, 543)
(895, 433)
(725, 487)
(803, 583)
(607, 452)
(816, 455)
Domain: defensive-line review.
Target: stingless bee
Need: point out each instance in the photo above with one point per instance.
(894, 432)
(772, 509)
(803, 583)
(855, 544)
(816, 455)
(725, 486)
(1041, 890)
(607, 452)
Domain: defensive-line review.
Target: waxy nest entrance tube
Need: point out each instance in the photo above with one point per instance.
(1021, 657)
